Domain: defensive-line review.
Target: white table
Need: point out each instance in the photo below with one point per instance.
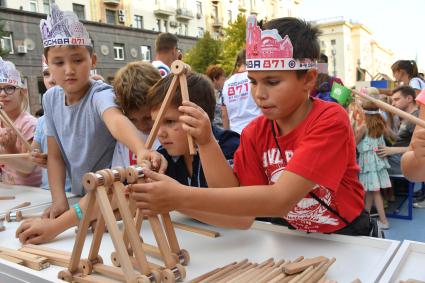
(408, 263)
(38, 197)
(357, 257)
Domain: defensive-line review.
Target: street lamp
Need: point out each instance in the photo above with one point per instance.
(334, 59)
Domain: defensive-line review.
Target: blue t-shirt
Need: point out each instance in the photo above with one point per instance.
(83, 138)
(228, 142)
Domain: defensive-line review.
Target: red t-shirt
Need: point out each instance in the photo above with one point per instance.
(321, 149)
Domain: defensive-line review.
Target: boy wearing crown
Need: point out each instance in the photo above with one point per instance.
(82, 119)
(297, 162)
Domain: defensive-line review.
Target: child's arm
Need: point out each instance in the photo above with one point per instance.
(225, 117)
(124, 131)
(220, 220)
(413, 161)
(264, 200)
(56, 175)
(8, 143)
(218, 172)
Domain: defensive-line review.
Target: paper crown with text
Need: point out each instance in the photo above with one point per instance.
(63, 28)
(267, 51)
(9, 74)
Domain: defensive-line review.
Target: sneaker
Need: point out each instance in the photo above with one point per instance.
(383, 226)
(420, 204)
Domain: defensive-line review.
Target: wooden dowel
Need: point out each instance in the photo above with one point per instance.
(297, 267)
(319, 274)
(239, 272)
(302, 275)
(313, 271)
(30, 260)
(7, 197)
(223, 271)
(233, 271)
(273, 273)
(392, 109)
(11, 259)
(22, 205)
(14, 155)
(208, 274)
(198, 230)
(185, 97)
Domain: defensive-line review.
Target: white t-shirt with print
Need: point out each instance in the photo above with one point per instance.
(417, 83)
(163, 69)
(240, 105)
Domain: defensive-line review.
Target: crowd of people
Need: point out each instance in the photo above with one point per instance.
(272, 144)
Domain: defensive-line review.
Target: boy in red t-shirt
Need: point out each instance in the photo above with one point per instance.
(297, 162)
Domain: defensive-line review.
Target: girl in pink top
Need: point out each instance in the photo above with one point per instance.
(14, 97)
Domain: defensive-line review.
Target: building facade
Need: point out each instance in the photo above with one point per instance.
(352, 52)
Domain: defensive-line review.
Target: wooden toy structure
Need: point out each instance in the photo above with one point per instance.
(9, 123)
(130, 251)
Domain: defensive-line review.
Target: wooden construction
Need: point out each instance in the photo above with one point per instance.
(202, 231)
(100, 187)
(9, 123)
(13, 215)
(54, 256)
(7, 197)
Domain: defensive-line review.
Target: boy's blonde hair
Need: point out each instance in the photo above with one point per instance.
(131, 85)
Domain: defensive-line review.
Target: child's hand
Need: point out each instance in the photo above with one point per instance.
(39, 158)
(157, 160)
(8, 141)
(55, 210)
(36, 231)
(156, 197)
(418, 145)
(196, 122)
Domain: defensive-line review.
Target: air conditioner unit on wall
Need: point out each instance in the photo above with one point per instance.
(121, 19)
(121, 12)
(22, 49)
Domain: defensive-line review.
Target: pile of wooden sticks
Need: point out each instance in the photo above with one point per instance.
(300, 270)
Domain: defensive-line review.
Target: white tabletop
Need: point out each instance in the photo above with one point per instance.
(356, 257)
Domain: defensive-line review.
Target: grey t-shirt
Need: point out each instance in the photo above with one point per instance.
(405, 131)
(83, 138)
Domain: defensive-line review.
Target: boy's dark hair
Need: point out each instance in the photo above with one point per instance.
(200, 88)
(89, 49)
(303, 35)
(405, 91)
(165, 42)
(409, 66)
(323, 58)
(214, 72)
(240, 60)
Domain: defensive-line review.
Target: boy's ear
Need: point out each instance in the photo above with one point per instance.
(93, 60)
(310, 79)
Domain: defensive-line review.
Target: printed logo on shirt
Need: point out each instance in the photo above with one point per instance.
(238, 90)
(132, 157)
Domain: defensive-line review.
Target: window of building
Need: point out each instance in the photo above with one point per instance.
(119, 51)
(229, 15)
(199, 8)
(138, 21)
(215, 11)
(33, 6)
(145, 52)
(111, 17)
(6, 43)
(333, 41)
(166, 25)
(46, 6)
(158, 24)
(200, 31)
(79, 11)
(186, 29)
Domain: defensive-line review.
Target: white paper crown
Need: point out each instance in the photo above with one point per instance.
(9, 74)
(267, 51)
(63, 28)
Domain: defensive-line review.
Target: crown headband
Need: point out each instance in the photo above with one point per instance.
(371, 112)
(9, 74)
(267, 51)
(63, 28)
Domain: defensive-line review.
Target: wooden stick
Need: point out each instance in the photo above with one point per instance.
(273, 273)
(234, 277)
(6, 119)
(30, 260)
(7, 197)
(246, 276)
(224, 271)
(11, 259)
(14, 155)
(392, 109)
(55, 257)
(185, 97)
(233, 271)
(302, 275)
(297, 267)
(198, 230)
(321, 271)
(22, 205)
(313, 271)
(209, 274)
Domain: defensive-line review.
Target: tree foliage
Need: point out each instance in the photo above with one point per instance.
(233, 42)
(205, 52)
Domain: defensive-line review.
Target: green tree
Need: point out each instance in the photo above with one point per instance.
(3, 52)
(204, 53)
(233, 42)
